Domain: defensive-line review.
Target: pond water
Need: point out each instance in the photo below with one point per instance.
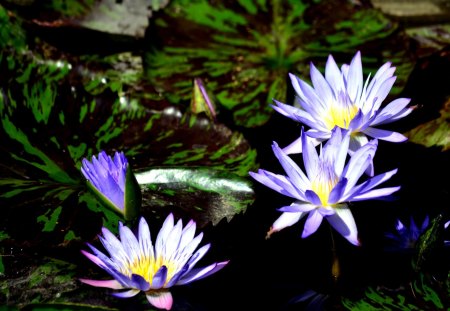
(184, 89)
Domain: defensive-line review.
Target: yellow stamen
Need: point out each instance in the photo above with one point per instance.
(147, 267)
(340, 115)
(323, 184)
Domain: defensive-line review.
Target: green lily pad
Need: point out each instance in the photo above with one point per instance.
(435, 132)
(183, 190)
(57, 108)
(421, 294)
(243, 50)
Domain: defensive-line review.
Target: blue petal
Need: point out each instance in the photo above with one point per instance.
(139, 282)
(312, 197)
(159, 279)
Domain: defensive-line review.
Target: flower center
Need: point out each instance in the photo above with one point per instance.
(323, 183)
(147, 267)
(341, 112)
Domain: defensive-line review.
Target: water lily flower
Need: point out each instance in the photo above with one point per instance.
(113, 181)
(342, 98)
(328, 185)
(406, 238)
(138, 265)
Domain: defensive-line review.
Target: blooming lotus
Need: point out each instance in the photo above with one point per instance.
(113, 181)
(136, 265)
(328, 185)
(342, 98)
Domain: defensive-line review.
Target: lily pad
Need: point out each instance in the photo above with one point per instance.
(57, 108)
(435, 132)
(244, 49)
(183, 190)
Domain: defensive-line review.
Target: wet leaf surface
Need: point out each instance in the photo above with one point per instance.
(62, 100)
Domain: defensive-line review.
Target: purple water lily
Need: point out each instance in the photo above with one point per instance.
(342, 98)
(108, 176)
(327, 186)
(137, 265)
(405, 237)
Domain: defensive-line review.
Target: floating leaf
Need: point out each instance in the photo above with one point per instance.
(425, 296)
(202, 194)
(435, 132)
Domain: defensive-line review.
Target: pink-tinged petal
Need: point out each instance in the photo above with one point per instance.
(344, 223)
(385, 135)
(200, 273)
(113, 284)
(312, 223)
(106, 264)
(285, 220)
(95, 259)
(376, 194)
(126, 294)
(298, 207)
(160, 299)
